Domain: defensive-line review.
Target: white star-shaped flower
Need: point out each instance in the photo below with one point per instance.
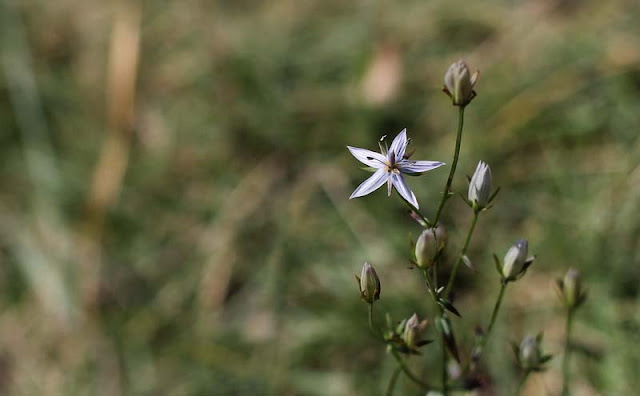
(390, 164)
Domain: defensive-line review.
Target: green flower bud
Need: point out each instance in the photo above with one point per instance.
(529, 353)
(413, 332)
(570, 288)
(515, 262)
(480, 186)
(459, 83)
(572, 285)
(369, 284)
(429, 244)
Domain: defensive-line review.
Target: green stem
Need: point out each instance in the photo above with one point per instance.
(444, 372)
(371, 318)
(393, 380)
(408, 372)
(447, 189)
(565, 359)
(496, 308)
(483, 340)
(432, 291)
(452, 277)
(523, 379)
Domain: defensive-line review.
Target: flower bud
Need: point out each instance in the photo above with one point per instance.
(459, 83)
(571, 289)
(369, 284)
(529, 353)
(515, 262)
(572, 285)
(413, 331)
(429, 244)
(480, 186)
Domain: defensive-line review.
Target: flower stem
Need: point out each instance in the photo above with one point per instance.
(432, 291)
(567, 352)
(393, 380)
(523, 379)
(371, 318)
(408, 372)
(483, 340)
(452, 277)
(444, 372)
(496, 308)
(447, 189)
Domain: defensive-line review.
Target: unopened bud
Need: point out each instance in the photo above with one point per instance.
(369, 283)
(429, 244)
(459, 83)
(480, 186)
(529, 353)
(571, 289)
(572, 286)
(413, 331)
(515, 262)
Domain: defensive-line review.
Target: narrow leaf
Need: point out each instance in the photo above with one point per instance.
(498, 265)
(449, 307)
(468, 263)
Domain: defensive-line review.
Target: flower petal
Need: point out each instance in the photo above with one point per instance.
(403, 189)
(399, 144)
(368, 157)
(407, 166)
(371, 184)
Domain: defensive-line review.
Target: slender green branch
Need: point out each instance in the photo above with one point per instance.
(408, 372)
(371, 318)
(463, 252)
(567, 353)
(432, 290)
(483, 340)
(435, 275)
(447, 189)
(444, 372)
(496, 308)
(393, 380)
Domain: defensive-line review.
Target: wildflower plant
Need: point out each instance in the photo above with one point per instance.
(405, 338)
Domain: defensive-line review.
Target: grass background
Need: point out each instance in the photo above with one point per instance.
(174, 213)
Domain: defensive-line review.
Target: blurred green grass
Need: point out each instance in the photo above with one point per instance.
(175, 214)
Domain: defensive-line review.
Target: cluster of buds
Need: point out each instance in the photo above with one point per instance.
(529, 354)
(369, 284)
(430, 244)
(480, 196)
(570, 289)
(459, 83)
(406, 336)
(515, 263)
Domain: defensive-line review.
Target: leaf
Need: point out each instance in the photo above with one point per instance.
(449, 339)
(493, 196)
(545, 358)
(469, 203)
(516, 350)
(468, 263)
(498, 264)
(449, 307)
(423, 342)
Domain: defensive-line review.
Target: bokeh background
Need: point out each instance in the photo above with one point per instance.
(174, 213)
